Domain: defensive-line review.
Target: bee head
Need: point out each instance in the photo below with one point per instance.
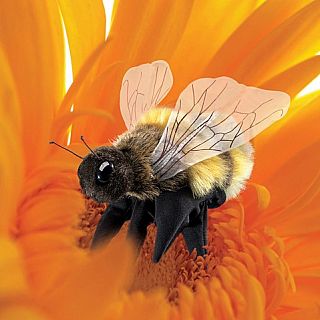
(104, 174)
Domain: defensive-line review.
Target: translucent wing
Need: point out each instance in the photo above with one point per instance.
(143, 87)
(211, 116)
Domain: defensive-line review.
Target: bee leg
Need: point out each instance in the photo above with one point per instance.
(172, 213)
(142, 216)
(217, 198)
(179, 211)
(195, 234)
(112, 220)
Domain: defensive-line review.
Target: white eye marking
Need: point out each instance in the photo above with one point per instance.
(103, 165)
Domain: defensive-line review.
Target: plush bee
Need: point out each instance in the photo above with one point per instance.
(172, 164)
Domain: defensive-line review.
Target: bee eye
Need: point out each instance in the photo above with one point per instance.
(104, 171)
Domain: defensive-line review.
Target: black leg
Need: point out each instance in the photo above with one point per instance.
(111, 221)
(217, 198)
(142, 216)
(177, 212)
(195, 234)
(172, 213)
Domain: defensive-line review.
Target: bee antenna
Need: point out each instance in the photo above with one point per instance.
(82, 138)
(57, 144)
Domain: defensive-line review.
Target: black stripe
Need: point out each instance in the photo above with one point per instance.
(228, 162)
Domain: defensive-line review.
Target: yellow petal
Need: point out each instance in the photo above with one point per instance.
(32, 39)
(85, 26)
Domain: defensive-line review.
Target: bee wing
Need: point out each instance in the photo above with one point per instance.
(142, 88)
(211, 116)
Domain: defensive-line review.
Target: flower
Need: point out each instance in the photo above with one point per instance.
(263, 260)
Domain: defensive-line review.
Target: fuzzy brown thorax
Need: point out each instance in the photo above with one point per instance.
(137, 146)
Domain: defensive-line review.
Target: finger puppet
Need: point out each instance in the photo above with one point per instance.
(172, 164)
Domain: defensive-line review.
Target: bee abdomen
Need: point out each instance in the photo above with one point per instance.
(242, 168)
(228, 171)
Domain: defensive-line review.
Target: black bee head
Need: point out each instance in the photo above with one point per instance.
(105, 175)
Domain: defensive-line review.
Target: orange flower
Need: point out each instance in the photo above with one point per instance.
(263, 260)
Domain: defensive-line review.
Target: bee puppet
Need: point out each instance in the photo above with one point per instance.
(172, 164)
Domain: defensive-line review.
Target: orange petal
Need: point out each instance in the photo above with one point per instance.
(204, 33)
(255, 309)
(258, 25)
(65, 120)
(135, 42)
(84, 75)
(138, 34)
(83, 93)
(301, 123)
(49, 257)
(21, 311)
(302, 254)
(255, 198)
(294, 41)
(101, 93)
(11, 159)
(295, 194)
(31, 36)
(142, 306)
(85, 26)
(47, 215)
(286, 171)
(293, 80)
(306, 297)
(103, 277)
(311, 313)
(12, 275)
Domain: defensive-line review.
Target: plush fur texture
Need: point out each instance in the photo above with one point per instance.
(229, 171)
(133, 174)
(120, 180)
(139, 145)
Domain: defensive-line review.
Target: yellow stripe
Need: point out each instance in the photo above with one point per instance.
(156, 116)
(242, 167)
(207, 173)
